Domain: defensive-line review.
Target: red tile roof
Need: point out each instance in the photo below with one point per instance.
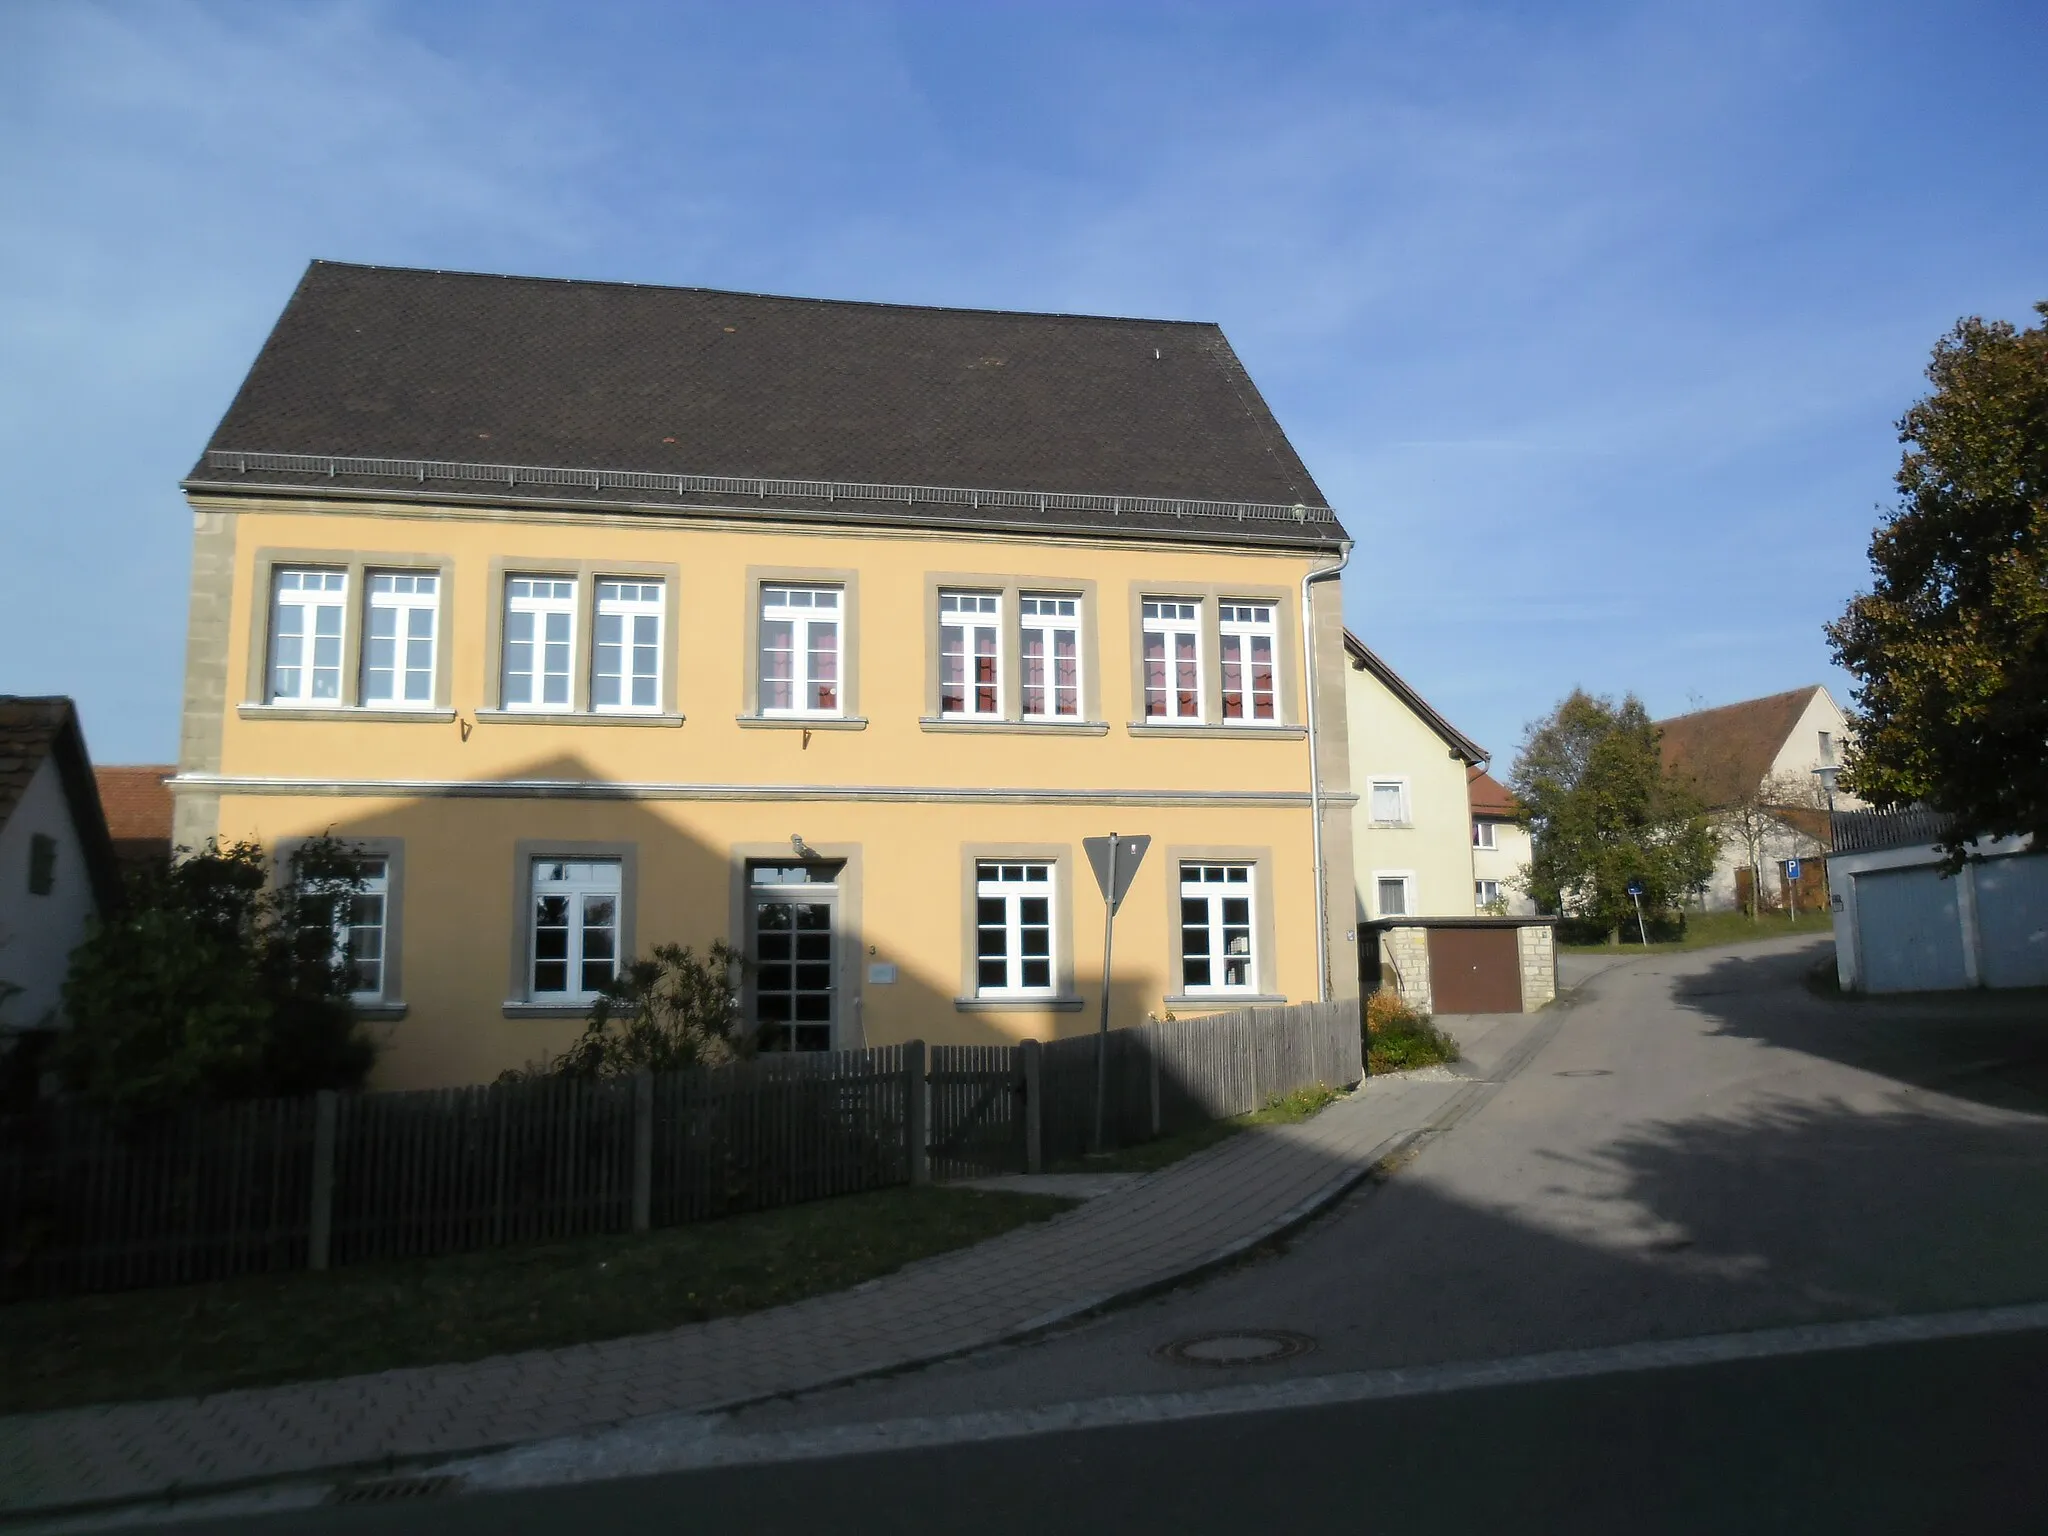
(137, 800)
(1726, 752)
(1489, 796)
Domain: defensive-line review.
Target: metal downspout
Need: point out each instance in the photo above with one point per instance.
(1315, 772)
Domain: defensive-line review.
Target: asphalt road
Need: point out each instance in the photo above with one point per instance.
(1934, 1437)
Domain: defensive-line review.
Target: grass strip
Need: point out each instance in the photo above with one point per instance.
(260, 1330)
(1148, 1156)
(1711, 930)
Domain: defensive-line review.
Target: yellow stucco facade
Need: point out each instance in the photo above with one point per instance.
(893, 805)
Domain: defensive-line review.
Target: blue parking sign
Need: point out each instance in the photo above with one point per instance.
(1791, 869)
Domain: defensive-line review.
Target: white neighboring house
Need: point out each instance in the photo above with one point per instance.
(57, 864)
(1757, 760)
(1501, 848)
(1411, 830)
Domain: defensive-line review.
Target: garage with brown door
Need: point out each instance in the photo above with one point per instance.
(1474, 970)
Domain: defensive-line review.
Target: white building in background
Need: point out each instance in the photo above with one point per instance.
(1501, 848)
(1764, 749)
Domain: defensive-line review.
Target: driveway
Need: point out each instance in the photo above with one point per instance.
(1702, 1146)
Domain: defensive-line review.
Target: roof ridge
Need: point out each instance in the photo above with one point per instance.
(776, 298)
(1763, 698)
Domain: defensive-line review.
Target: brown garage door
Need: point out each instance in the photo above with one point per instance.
(1475, 970)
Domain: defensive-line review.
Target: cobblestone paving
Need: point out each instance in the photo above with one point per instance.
(1138, 1237)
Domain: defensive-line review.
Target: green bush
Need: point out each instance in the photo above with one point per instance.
(214, 982)
(673, 1010)
(1398, 1037)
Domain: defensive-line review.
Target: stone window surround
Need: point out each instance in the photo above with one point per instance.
(1010, 666)
(1064, 998)
(1265, 929)
(849, 717)
(519, 1000)
(849, 1029)
(586, 574)
(356, 564)
(1407, 878)
(392, 851)
(1286, 720)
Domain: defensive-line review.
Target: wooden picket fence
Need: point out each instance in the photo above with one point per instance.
(91, 1201)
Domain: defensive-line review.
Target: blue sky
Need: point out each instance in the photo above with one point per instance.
(1592, 320)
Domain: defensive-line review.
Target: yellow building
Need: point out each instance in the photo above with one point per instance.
(601, 616)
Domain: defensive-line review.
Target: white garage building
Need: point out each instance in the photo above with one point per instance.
(1903, 925)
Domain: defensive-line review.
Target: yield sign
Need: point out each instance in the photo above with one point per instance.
(1115, 860)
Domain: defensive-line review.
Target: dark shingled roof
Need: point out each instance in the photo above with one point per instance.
(1726, 752)
(33, 731)
(1873, 831)
(472, 370)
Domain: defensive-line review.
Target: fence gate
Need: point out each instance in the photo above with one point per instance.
(977, 1111)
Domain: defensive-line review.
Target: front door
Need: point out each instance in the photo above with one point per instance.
(793, 944)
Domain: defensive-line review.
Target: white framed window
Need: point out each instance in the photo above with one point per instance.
(359, 931)
(575, 938)
(398, 639)
(800, 650)
(1483, 835)
(1049, 629)
(970, 668)
(1393, 894)
(1246, 641)
(1387, 802)
(625, 665)
(305, 636)
(1172, 633)
(1485, 893)
(1012, 928)
(540, 642)
(1216, 953)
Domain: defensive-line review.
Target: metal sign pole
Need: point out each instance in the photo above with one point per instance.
(1102, 1029)
(1115, 860)
(1635, 890)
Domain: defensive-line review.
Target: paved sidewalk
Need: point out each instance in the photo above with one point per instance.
(1146, 1235)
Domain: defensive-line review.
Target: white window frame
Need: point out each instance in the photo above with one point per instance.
(374, 870)
(579, 882)
(406, 596)
(976, 620)
(1484, 834)
(1480, 899)
(1012, 882)
(1240, 622)
(635, 602)
(796, 603)
(1173, 619)
(1049, 615)
(1237, 879)
(1406, 818)
(1409, 904)
(523, 599)
(325, 604)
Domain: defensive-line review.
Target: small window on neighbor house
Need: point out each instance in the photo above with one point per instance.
(398, 639)
(970, 669)
(1393, 895)
(1482, 834)
(305, 637)
(42, 864)
(800, 650)
(626, 656)
(1049, 628)
(1485, 893)
(1389, 801)
(1246, 642)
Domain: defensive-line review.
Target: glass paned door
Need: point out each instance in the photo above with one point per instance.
(794, 925)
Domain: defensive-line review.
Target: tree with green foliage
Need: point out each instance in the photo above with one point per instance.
(1950, 646)
(218, 981)
(675, 1009)
(1603, 813)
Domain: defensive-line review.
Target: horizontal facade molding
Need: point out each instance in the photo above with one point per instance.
(588, 789)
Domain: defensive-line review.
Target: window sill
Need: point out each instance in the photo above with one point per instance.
(380, 1010)
(525, 1010)
(802, 722)
(1019, 1004)
(344, 712)
(1016, 727)
(589, 717)
(1392, 826)
(1225, 999)
(1199, 728)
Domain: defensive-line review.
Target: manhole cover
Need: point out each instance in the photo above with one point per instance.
(1251, 1346)
(1584, 1072)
